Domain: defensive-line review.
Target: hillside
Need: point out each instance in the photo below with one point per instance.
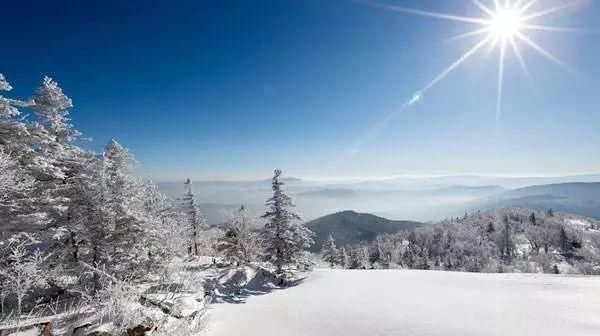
(349, 227)
(418, 303)
(579, 198)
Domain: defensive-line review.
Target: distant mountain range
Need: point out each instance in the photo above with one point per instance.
(349, 227)
(421, 199)
(578, 198)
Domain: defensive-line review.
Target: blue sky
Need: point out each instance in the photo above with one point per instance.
(232, 89)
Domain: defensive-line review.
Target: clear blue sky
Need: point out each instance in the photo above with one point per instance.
(232, 89)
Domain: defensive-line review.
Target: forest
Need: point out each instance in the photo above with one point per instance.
(497, 241)
(87, 238)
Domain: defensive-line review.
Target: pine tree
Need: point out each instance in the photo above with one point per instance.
(344, 258)
(193, 217)
(330, 252)
(53, 159)
(91, 232)
(163, 236)
(564, 242)
(7, 105)
(123, 199)
(25, 210)
(68, 187)
(15, 186)
(285, 238)
(505, 242)
(52, 108)
(532, 219)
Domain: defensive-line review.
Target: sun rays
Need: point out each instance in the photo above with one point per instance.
(503, 26)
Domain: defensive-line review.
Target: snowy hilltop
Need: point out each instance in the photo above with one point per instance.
(89, 246)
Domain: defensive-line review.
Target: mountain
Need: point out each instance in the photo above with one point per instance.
(421, 199)
(579, 198)
(349, 227)
(503, 181)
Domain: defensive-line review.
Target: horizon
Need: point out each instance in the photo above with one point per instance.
(386, 178)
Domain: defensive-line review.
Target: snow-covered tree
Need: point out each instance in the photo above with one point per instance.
(13, 180)
(532, 219)
(286, 239)
(57, 139)
(193, 217)
(358, 257)
(123, 201)
(164, 234)
(16, 206)
(344, 257)
(505, 240)
(52, 108)
(7, 105)
(330, 252)
(20, 269)
(239, 244)
(43, 150)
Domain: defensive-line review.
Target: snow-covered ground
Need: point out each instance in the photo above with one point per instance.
(414, 303)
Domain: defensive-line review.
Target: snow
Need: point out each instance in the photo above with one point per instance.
(579, 222)
(405, 302)
(29, 332)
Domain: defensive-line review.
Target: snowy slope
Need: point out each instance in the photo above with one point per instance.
(414, 303)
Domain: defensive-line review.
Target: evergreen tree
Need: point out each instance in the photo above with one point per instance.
(15, 186)
(7, 105)
(68, 187)
(193, 217)
(91, 231)
(505, 242)
(122, 205)
(330, 252)
(54, 160)
(20, 210)
(344, 258)
(565, 244)
(52, 108)
(286, 239)
(532, 219)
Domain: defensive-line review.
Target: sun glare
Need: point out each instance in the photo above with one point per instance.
(506, 23)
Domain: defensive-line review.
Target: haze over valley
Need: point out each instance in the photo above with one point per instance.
(419, 199)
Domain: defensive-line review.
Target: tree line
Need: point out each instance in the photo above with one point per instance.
(504, 240)
(70, 217)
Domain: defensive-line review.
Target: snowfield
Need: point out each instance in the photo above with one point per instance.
(414, 303)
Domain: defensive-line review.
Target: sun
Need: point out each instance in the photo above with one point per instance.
(506, 24)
